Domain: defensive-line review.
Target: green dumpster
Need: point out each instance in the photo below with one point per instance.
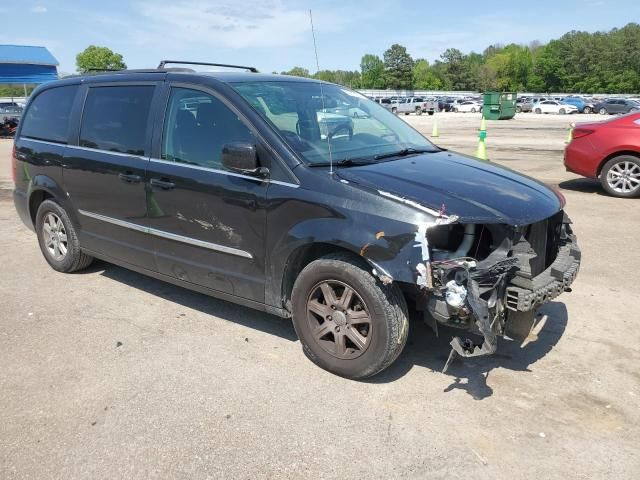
(499, 105)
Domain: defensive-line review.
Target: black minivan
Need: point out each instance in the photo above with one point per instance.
(293, 196)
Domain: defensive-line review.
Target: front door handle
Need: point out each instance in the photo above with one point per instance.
(129, 178)
(163, 184)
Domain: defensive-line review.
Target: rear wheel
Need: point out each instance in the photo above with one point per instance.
(621, 176)
(473, 110)
(455, 110)
(518, 109)
(603, 111)
(58, 240)
(418, 111)
(562, 111)
(394, 110)
(348, 322)
(587, 110)
(538, 110)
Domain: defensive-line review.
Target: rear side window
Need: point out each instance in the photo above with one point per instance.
(48, 115)
(115, 118)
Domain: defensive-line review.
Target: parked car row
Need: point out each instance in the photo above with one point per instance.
(577, 104)
(407, 105)
(540, 105)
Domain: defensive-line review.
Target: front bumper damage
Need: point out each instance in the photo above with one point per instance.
(498, 295)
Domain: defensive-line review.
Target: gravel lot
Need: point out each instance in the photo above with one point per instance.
(109, 374)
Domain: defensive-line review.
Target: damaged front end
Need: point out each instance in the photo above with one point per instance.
(489, 279)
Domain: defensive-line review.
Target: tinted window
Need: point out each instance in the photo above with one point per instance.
(48, 115)
(115, 118)
(197, 125)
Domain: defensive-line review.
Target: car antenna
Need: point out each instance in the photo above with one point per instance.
(315, 48)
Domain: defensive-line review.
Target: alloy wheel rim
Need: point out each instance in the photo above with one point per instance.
(55, 236)
(624, 177)
(339, 319)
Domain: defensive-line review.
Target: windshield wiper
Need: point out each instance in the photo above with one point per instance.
(402, 153)
(345, 162)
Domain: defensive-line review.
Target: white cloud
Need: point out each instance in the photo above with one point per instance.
(38, 9)
(231, 24)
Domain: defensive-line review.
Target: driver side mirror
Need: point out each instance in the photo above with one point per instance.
(243, 158)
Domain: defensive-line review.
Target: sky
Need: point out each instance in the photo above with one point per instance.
(275, 35)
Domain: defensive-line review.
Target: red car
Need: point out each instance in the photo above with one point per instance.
(608, 151)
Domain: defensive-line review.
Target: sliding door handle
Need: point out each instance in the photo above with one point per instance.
(163, 184)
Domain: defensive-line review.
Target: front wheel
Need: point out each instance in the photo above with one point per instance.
(562, 111)
(518, 109)
(58, 240)
(348, 322)
(418, 111)
(394, 111)
(603, 111)
(621, 176)
(538, 111)
(473, 110)
(587, 110)
(431, 113)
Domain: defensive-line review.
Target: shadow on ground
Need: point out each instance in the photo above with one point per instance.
(426, 350)
(231, 312)
(423, 347)
(583, 185)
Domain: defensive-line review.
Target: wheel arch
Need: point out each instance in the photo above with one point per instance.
(302, 256)
(615, 154)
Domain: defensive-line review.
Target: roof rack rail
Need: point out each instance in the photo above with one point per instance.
(164, 62)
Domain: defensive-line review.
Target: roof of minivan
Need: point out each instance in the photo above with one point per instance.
(226, 77)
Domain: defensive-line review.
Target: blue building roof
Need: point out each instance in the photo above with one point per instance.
(27, 54)
(25, 64)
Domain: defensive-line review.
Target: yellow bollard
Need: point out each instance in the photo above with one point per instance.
(434, 132)
(483, 125)
(570, 136)
(481, 152)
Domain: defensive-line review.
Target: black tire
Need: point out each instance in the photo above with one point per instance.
(73, 259)
(455, 110)
(587, 110)
(394, 110)
(606, 176)
(473, 110)
(384, 306)
(538, 111)
(518, 109)
(603, 111)
(431, 113)
(562, 111)
(418, 111)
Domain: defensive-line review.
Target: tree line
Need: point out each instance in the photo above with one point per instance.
(579, 62)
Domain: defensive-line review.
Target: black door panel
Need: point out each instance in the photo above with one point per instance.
(208, 223)
(103, 188)
(209, 228)
(105, 175)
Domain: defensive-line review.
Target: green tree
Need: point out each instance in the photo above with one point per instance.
(372, 71)
(98, 58)
(424, 78)
(398, 67)
(297, 72)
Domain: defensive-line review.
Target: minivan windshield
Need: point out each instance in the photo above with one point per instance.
(321, 119)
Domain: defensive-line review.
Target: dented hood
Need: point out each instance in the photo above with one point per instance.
(475, 191)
